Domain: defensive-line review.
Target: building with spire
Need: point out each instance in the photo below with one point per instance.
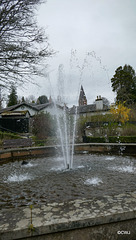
(86, 110)
(82, 97)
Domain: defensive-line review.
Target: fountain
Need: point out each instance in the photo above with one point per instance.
(64, 123)
(66, 184)
(68, 176)
(67, 126)
(65, 85)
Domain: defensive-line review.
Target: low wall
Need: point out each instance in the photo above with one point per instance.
(30, 152)
(108, 218)
(110, 148)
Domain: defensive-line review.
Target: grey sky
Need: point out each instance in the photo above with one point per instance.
(107, 27)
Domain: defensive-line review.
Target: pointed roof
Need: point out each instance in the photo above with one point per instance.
(35, 107)
(82, 97)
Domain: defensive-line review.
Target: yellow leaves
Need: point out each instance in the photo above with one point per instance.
(120, 112)
(31, 226)
(31, 206)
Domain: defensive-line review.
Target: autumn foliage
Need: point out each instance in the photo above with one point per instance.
(120, 112)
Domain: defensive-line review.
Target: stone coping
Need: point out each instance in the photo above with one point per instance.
(31, 152)
(15, 223)
(28, 148)
(106, 144)
(59, 146)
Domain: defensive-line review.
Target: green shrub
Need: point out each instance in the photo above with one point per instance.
(111, 139)
(94, 139)
(7, 135)
(122, 139)
(40, 142)
(127, 139)
(114, 139)
(102, 118)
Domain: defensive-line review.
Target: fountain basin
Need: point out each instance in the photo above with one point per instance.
(96, 199)
(45, 180)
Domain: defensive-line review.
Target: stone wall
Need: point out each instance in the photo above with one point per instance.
(104, 148)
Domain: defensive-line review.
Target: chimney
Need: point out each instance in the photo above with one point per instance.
(99, 103)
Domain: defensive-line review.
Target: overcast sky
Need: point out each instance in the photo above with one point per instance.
(101, 35)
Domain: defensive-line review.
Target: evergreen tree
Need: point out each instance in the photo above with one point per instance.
(42, 99)
(12, 97)
(124, 84)
(23, 99)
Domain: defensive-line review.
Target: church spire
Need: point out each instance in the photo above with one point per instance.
(82, 98)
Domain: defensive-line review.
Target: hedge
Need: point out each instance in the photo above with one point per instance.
(112, 139)
(94, 139)
(123, 139)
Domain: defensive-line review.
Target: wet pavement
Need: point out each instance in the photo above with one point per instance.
(54, 217)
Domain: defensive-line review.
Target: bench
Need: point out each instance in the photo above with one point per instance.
(16, 143)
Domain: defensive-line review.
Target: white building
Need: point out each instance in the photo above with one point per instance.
(34, 108)
(15, 113)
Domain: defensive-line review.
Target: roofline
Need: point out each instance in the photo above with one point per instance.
(24, 103)
(11, 108)
(37, 107)
(12, 112)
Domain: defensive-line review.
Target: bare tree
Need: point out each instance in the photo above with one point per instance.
(30, 99)
(106, 101)
(2, 97)
(23, 45)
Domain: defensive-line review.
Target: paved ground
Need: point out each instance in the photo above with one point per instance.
(66, 215)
